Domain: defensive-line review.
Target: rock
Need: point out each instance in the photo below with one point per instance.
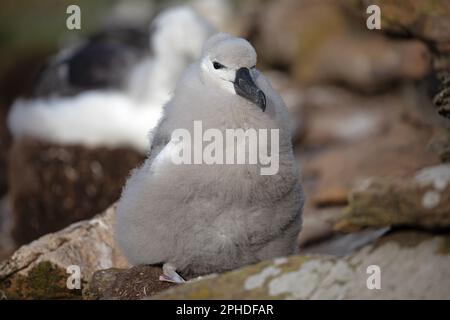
(336, 115)
(442, 97)
(326, 42)
(291, 29)
(400, 257)
(333, 196)
(350, 138)
(428, 20)
(100, 282)
(52, 186)
(30, 272)
(340, 245)
(43, 281)
(440, 144)
(420, 202)
(134, 283)
(366, 63)
(318, 224)
(400, 150)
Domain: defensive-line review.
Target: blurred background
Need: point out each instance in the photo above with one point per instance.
(370, 108)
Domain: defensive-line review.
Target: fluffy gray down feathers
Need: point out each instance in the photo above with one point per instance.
(211, 218)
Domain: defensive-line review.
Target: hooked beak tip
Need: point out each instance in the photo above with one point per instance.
(262, 101)
(246, 88)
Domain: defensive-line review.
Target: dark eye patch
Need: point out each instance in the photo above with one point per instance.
(218, 65)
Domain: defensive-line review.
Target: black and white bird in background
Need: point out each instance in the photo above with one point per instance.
(109, 90)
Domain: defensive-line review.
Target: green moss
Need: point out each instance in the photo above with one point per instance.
(44, 281)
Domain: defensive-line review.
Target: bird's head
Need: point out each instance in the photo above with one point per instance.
(231, 63)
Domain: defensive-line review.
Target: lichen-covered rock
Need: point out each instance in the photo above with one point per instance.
(317, 224)
(43, 281)
(87, 244)
(423, 201)
(412, 266)
(126, 284)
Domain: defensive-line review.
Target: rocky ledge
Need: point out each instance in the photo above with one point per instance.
(411, 264)
(39, 269)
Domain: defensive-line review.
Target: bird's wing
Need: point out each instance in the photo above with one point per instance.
(160, 138)
(102, 62)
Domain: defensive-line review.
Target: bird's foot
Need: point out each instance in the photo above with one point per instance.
(170, 275)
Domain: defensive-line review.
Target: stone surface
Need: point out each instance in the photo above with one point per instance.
(333, 196)
(349, 138)
(291, 29)
(100, 282)
(400, 150)
(318, 224)
(420, 202)
(332, 37)
(341, 244)
(366, 63)
(413, 266)
(87, 244)
(334, 116)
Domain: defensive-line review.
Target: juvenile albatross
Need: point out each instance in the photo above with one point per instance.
(203, 218)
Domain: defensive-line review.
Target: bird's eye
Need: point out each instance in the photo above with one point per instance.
(218, 65)
(254, 67)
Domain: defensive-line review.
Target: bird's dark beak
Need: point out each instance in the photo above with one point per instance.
(246, 87)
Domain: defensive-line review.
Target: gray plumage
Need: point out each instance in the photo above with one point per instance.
(211, 218)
